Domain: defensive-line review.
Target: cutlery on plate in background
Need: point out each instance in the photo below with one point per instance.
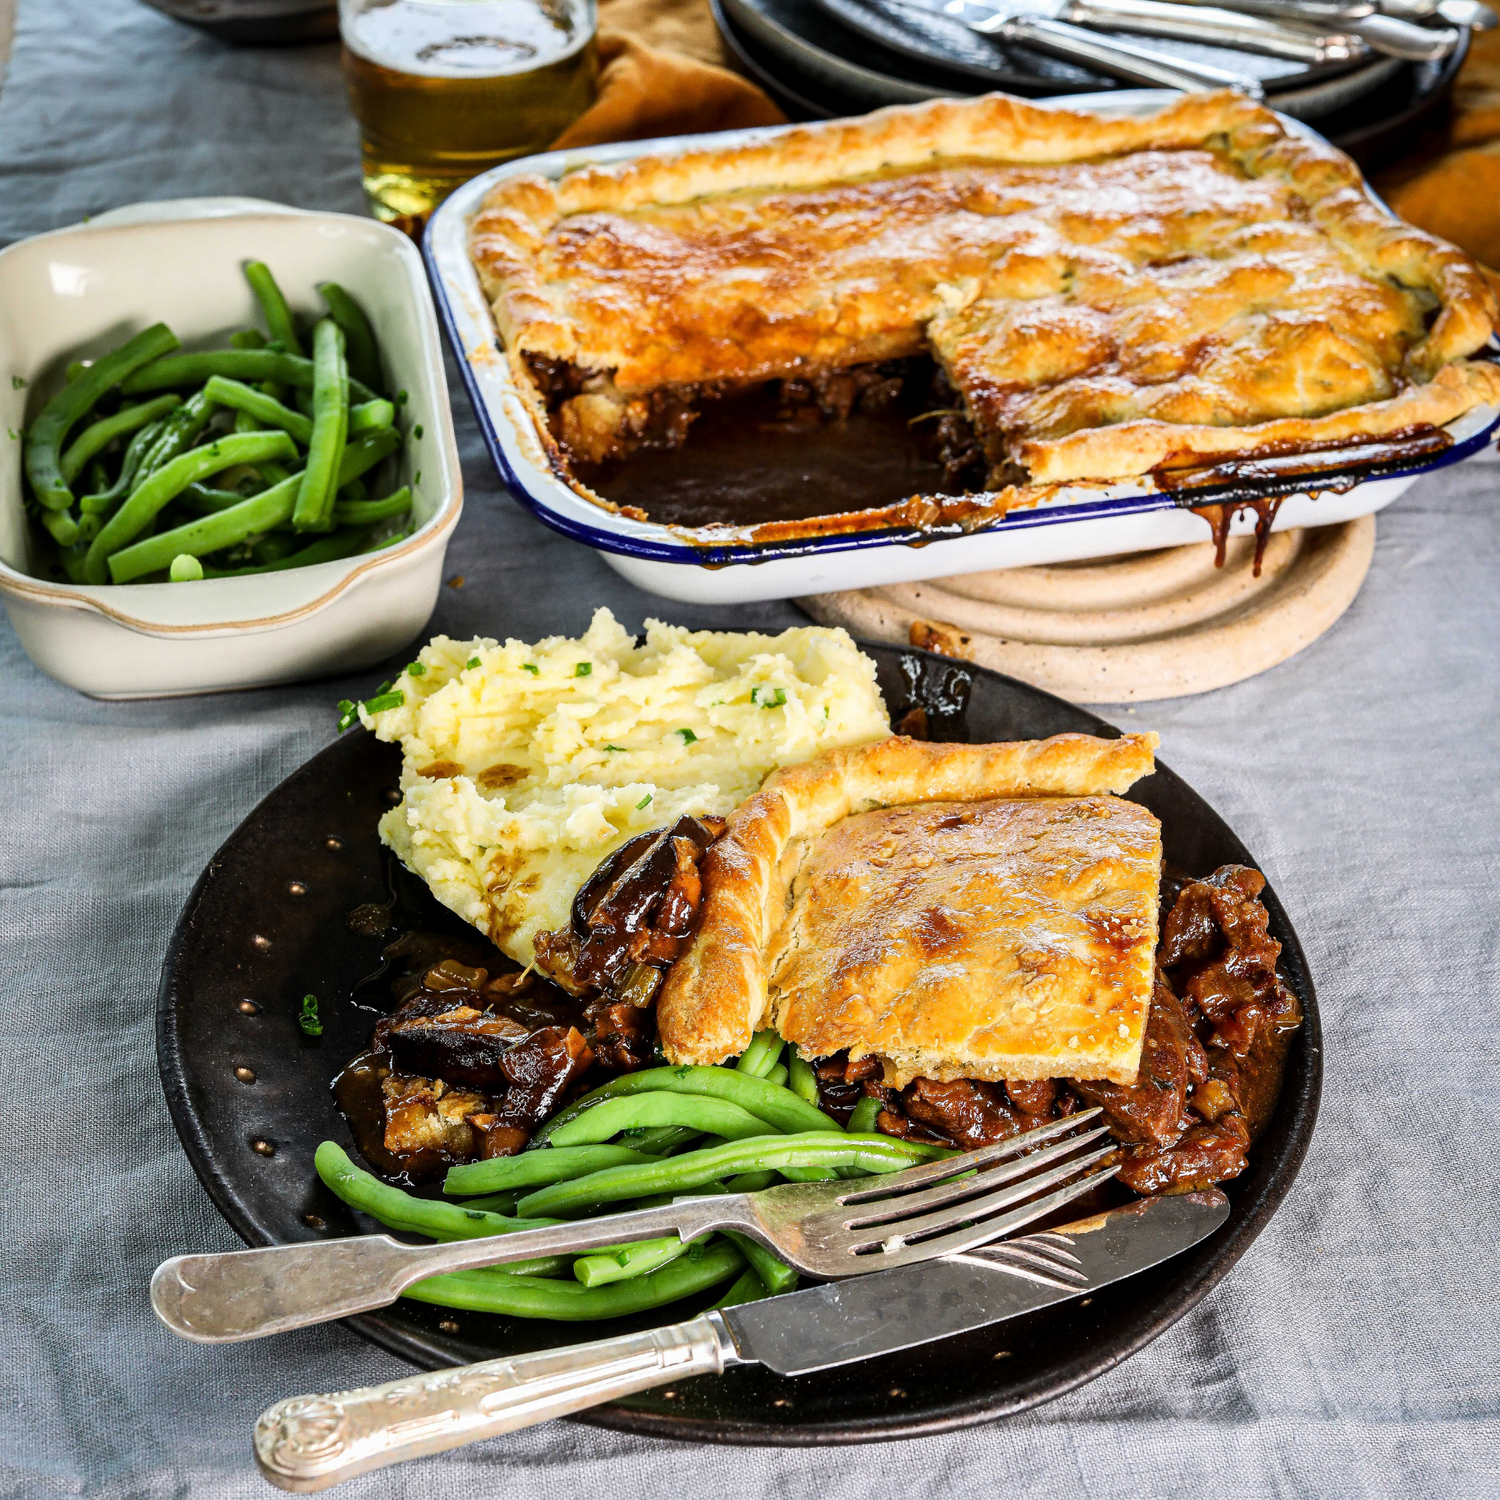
(1209, 24)
(309, 1443)
(1028, 23)
(827, 1229)
(1384, 31)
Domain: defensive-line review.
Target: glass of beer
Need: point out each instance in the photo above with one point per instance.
(445, 89)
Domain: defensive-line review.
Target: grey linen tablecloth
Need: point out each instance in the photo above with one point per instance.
(1351, 1352)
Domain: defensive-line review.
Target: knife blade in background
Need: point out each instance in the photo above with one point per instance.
(842, 1321)
(1388, 34)
(309, 1443)
(1206, 23)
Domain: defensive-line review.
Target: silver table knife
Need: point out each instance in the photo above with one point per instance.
(1384, 32)
(312, 1442)
(1030, 23)
(1206, 23)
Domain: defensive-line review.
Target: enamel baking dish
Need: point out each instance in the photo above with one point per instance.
(1075, 523)
(79, 292)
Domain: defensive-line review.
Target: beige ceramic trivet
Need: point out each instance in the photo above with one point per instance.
(1126, 629)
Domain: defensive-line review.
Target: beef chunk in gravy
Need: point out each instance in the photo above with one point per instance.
(1172, 1061)
(427, 1114)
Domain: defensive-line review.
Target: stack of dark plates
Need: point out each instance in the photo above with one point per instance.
(824, 58)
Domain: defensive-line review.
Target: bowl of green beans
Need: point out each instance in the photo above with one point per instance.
(231, 459)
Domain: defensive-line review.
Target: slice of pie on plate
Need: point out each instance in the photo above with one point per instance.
(956, 911)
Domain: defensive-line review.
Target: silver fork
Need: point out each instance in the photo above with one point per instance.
(824, 1229)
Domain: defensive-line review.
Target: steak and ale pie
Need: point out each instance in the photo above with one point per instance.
(957, 307)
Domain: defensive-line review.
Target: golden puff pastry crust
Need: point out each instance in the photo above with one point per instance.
(1107, 294)
(978, 911)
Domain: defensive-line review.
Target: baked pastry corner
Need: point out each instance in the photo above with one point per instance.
(974, 911)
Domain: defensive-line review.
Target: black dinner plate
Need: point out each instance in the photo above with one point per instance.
(268, 923)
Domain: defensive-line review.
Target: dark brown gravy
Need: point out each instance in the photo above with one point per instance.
(740, 466)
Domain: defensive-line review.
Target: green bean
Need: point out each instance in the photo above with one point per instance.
(498, 1203)
(773, 1271)
(751, 1182)
(358, 339)
(749, 1288)
(654, 1110)
(331, 548)
(273, 305)
(168, 482)
(98, 436)
(273, 473)
(330, 426)
(565, 1301)
(61, 525)
(185, 569)
(367, 512)
(370, 416)
(533, 1168)
(353, 491)
(44, 438)
(140, 444)
(801, 1079)
(178, 370)
(211, 533)
(863, 1117)
(828, 1148)
(768, 1101)
(760, 1056)
(272, 548)
(778, 1075)
(206, 501)
(179, 433)
(265, 410)
(438, 1221)
(247, 338)
(663, 1142)
(640, 1259)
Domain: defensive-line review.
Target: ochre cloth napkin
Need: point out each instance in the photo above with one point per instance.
(665, 72)
(1450, 182)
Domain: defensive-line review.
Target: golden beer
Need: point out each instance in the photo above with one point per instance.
(444, 89)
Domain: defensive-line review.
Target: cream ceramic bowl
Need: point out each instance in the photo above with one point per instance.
(81, 291)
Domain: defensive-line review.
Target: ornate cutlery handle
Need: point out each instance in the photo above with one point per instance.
(1124, 59)
(311, 1442)
(245, 1294)
(1403, 39)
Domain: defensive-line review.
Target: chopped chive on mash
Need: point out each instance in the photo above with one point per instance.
(348, 713)
(767, 697)
(472, 662)
(308, 1020)
(527, 666)
(615, 747)
(688, 737)
(416, 669)
(383, 701)
(583, 669)
(644, 800)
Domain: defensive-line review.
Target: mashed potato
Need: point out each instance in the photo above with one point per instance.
(524, 766)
